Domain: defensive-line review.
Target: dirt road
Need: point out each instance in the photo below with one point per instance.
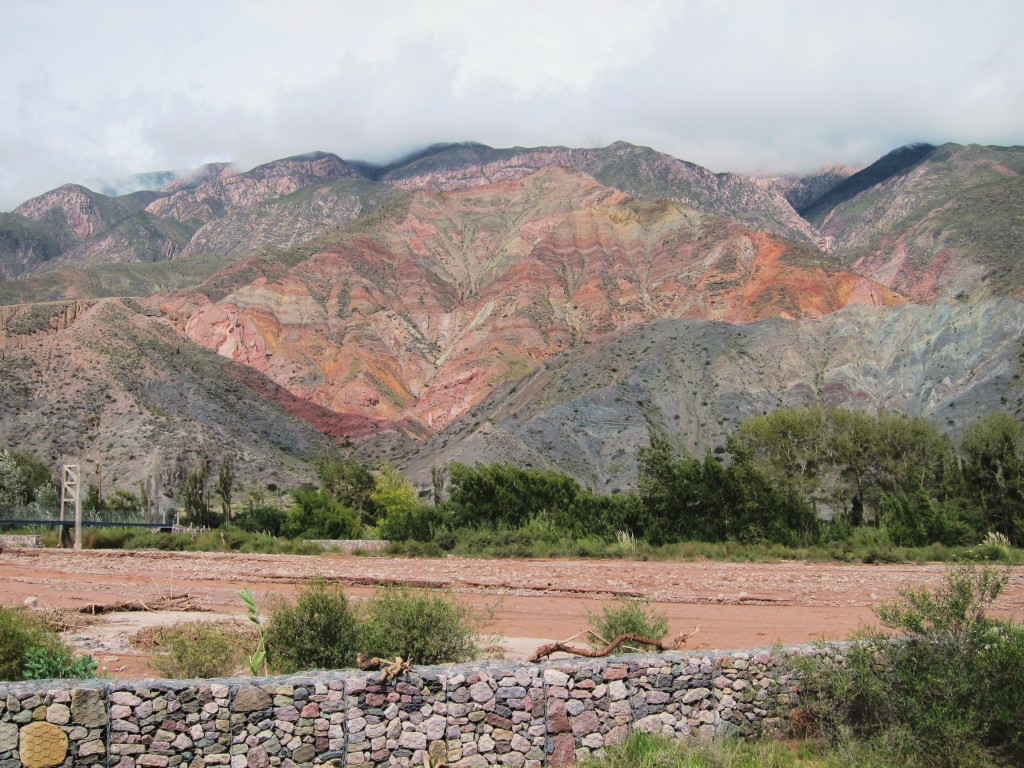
(736, 605)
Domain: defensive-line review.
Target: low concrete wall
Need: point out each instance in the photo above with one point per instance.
(20, 540)
(351, 545)
(471, 715)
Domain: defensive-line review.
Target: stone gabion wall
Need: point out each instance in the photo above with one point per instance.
(471, 716)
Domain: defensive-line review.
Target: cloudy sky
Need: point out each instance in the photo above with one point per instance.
(111, 87)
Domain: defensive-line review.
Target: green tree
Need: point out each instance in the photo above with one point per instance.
(225, 486)
(391, 493)
(34, 473)
(315, 515)
(503, 495)
(196, 498)
(689, 499)
(992, 455)
(13, 492)
(788, 447)
(917, 520)
(350, 483)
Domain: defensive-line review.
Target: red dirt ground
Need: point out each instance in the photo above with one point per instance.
(736, 605)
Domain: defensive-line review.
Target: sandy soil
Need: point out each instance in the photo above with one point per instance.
(736, 605)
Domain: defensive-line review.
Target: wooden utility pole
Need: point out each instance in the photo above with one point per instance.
(70, 493)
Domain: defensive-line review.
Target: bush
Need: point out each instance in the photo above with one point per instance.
(629, 616)
(28, 648)
(426, 627)
(317, 631)
(52, 663)
(946, 673)
(199, 649)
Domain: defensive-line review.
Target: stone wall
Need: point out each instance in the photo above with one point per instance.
(472, 715)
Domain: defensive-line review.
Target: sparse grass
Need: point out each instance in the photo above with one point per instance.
(197, 649)
(528, 542)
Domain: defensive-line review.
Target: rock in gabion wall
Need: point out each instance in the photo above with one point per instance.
(469, 716)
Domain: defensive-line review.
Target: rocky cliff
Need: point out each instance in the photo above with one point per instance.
(421, 318)
(102, 382)
(586, 411)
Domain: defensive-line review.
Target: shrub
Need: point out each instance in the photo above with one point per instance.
(199, 649)
(25, 638)
(51, 663)
(317, 631)
(426, 627)
(944, 672)
(628, 616)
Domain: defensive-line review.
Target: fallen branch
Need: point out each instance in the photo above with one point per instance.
(181, 602)
(391, 668)
(591, 653)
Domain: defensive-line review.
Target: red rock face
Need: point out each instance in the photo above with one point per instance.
(418, 322)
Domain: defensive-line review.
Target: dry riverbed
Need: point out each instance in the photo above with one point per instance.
(736, 605)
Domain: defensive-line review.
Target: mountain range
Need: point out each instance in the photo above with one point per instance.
(537, 305)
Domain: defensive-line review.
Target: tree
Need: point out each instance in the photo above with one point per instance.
(315, 515)
(506, 495)
(392, 494)
(992, 456)
(787, 446)
(12, 486)
(349, 482)
(438, 478)
(34, 473)
(225, 484)
(196, 498)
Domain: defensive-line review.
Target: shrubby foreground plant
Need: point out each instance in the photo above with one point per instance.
(322, 630)
(940, 671)
(30, 650)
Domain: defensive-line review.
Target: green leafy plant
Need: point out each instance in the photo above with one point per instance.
(259, 660)
(628, 616)
(317, 631)
(50, 663)
(424, 627)
(22, 634)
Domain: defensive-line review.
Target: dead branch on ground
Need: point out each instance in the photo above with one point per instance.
(591, 653)
(182, 602)
(391, 668)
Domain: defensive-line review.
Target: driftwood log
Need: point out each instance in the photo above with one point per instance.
(182, 602)
(592, 653)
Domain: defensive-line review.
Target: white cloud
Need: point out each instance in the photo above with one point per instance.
(105, 89)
